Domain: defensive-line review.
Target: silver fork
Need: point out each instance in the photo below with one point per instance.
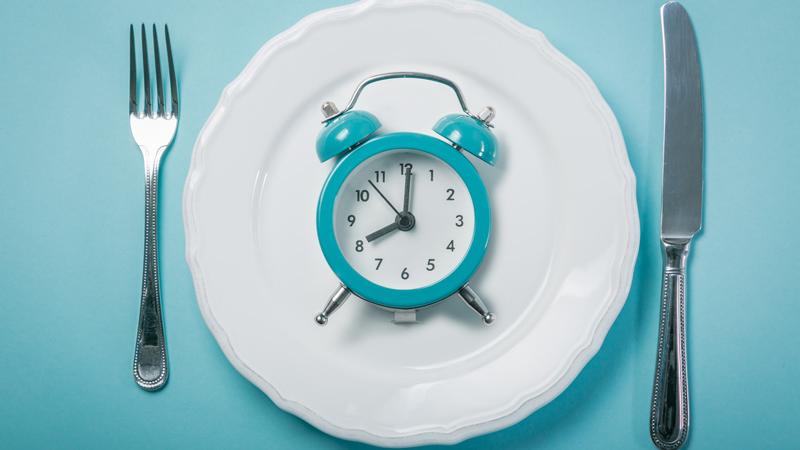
(153, 130)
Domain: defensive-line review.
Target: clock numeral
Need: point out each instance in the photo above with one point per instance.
(451, 246)
(404, 167)
(359, 245)
(431, 171)
(380, 176)
(362, 195)
(380, 260)
(351, 219)
(450, 193)
(404, 274)
(430, 265)
(459, 220)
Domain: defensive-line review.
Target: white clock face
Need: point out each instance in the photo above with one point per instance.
(398, 249)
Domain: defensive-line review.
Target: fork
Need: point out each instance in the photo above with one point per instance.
(153, 129)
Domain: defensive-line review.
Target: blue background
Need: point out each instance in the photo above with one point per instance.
(71, 195)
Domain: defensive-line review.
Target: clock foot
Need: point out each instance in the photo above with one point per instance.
(336, 300)
(405, 316)
(472, 300)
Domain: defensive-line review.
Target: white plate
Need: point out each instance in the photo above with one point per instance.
(564, 240)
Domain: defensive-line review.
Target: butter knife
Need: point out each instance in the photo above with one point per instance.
(681, 217)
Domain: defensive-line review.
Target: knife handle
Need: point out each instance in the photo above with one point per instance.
(669, 409)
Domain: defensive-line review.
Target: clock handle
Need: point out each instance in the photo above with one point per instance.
(331, 112)
(337, 299)
(472, 300)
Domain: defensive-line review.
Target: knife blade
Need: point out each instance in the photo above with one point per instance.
(681, 219)
(682, 197)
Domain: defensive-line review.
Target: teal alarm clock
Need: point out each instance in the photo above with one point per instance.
(403, 219)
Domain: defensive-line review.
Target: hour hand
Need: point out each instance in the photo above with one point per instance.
(385, 230)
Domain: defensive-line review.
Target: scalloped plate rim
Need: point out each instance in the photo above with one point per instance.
(523, 407)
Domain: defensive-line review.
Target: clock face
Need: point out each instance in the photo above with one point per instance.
(401, 248)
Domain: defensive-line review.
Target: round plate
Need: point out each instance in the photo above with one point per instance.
(561, 254)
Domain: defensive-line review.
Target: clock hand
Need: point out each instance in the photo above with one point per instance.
(406, 196)
(384, 197)
(385, 230)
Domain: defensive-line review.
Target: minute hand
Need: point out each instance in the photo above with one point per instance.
(407, 191)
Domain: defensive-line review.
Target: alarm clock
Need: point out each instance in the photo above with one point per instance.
(403, 219)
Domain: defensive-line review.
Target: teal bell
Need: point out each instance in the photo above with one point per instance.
(470, 133)
(344, 132)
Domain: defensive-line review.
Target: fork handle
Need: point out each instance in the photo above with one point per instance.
(150, 356)
(669, 410)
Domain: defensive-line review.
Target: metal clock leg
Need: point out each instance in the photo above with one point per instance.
(336, 300)
(472, 299)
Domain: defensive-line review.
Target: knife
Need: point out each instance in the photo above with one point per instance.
(681, 216)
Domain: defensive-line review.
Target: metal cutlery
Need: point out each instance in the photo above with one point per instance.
(681, 217)
(153, 128)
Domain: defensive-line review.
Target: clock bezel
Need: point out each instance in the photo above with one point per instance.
(404, 298)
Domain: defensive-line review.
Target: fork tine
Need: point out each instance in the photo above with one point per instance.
(159, 81)
(133, 108)
(148, 101)
(173, 84)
